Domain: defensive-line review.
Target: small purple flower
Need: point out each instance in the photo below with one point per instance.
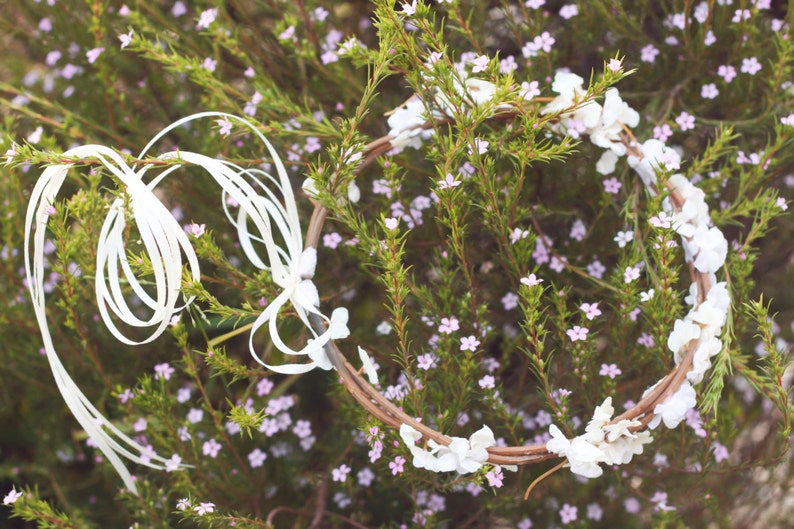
(211, 448)
(409, 9)
(662, 220)
(568, 513)
(612, 185)
(163, 371)
(448, 325)
(257, 458)
(709, 91)
(480, 64)
(720, 452)
(469, 343)
(487, 382)
(531, 280)
(396, 466)
(206, 19)
(448, 182)
(685, 121)
(481, 146)
(577, 333)
(649, 53)
(340, 474)
(751, 66)
(646, 340)
(611, 370)
(495, 477)
(196, 230)
(631, 273)
(569, 11)
(93, 55)
(727, 72)
(332, 240)
(510, 301)
(126, 39)
(225, 126)
(426, 361)
(365, 477)
(590, 310)
(126, 395)
(209, 64)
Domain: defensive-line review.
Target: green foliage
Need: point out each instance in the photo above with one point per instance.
(319, 79)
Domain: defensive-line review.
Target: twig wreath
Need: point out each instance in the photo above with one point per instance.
(268, 216)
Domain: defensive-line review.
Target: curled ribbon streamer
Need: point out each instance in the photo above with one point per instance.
(291, 266)
(163, 239)
(165, 242)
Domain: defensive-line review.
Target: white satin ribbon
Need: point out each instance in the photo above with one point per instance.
(274, 217)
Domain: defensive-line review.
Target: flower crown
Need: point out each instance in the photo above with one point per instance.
(267, 216)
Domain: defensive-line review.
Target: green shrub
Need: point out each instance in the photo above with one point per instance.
(519, 211)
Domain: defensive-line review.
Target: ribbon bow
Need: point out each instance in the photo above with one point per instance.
(165, 242)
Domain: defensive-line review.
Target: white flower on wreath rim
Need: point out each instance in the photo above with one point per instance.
(462, 455)
(611, 444)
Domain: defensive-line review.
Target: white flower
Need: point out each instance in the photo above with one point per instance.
(471, 90)
(719, 296)
(601, 417)
(368, 366)
(692, 297)
(654, 155)
(584, 458)
(694, 211)
(606, 164)
(602, 442)
(569, 86)
(683, 333)
(558, 444)
(624, 448)
(702, 360)
(353, 192)
(673, 410)
(623, 238)
(463, 456)
(712, 248)
(615, 114)
(620, 429)
(647, 296)
(12, 496)
(406, 121)
(405, 124)
(708, 314)
(479, 91)
(309, 187)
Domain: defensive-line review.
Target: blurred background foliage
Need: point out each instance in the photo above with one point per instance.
(312, 106)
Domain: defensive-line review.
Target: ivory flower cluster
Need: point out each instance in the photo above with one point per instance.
(406, 122)
(583, 116)
(462, 455)
(602, 442)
